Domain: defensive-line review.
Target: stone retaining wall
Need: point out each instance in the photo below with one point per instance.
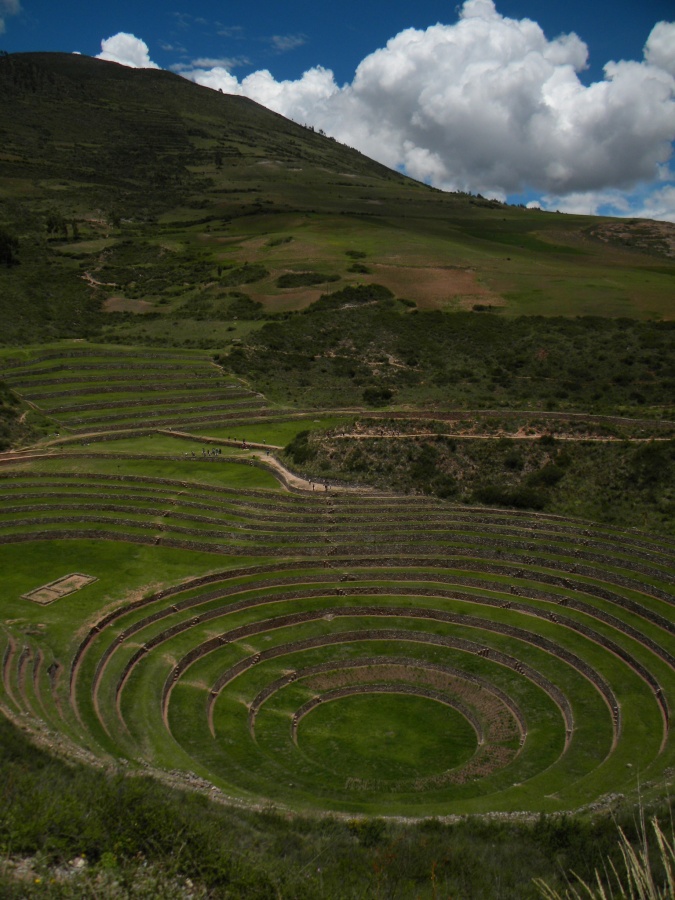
(388, 635)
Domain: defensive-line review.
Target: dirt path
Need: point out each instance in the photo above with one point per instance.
(261, 452)
(11, 456)
(515, 436)
(303, 484)
(225, 442)
(89, 278)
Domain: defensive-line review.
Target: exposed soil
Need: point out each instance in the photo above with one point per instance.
(435, 287)
(642, 234)
(122, 304)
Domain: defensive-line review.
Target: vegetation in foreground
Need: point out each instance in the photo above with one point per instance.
(637, 877)
(70, 831)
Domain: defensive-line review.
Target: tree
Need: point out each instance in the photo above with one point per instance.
(57, 224)
(8, 247)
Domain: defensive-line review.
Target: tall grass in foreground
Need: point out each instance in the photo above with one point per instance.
(639, 881)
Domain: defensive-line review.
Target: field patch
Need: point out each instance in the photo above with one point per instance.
(436, 287)
(124, 304)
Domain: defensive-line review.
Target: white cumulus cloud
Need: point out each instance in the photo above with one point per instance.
(659, 205)
(299, 99)
(660, 47)
(8, 8)
(488, 104)
(127, 50)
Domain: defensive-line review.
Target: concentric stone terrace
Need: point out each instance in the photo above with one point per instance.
(360, 653)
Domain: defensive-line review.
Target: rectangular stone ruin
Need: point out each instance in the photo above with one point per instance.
(63, 586)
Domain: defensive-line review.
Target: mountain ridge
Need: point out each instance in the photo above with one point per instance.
(138, 196)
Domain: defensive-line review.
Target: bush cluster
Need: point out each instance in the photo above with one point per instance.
(460, 360)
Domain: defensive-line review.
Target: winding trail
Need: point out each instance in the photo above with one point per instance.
(360, 435)
(259, 452)
(262, 453)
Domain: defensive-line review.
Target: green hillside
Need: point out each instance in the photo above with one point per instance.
(339, 500)
(150, 205)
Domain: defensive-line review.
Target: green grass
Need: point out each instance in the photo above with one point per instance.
(370, 753)
(189, 471)
(120, 571)
(186, 724)
(386, 737)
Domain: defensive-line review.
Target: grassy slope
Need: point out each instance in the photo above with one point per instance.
(164, 197)
(19, 424)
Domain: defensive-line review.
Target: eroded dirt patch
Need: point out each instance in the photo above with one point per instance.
(435, 287)
(122, 304)
(643, 234)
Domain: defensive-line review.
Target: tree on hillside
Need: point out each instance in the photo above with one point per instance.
(8, 247)
(56, 224)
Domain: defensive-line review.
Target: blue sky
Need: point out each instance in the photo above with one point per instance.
(536, 117)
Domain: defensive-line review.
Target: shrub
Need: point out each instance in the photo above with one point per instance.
(8, 247)
(547, 477)
(513, 460)
(377, 396)
(304, 279)
(652, 463)
(520, 498)
(246, 274)
(299, 450)
(352, 294)
(242, 307)
(444, 486)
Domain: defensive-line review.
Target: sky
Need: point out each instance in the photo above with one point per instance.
(567, 106)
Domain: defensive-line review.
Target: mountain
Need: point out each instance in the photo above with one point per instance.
(102, 132)
(138, 196)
